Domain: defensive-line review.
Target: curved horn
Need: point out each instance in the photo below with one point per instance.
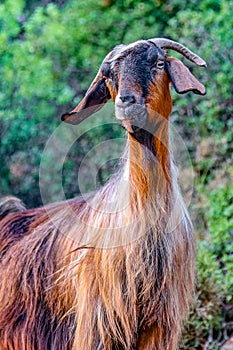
(170, 44)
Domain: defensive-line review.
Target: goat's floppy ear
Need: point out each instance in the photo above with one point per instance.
(182, 79)
(96, 96)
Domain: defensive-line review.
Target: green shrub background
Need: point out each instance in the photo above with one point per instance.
(50, 52)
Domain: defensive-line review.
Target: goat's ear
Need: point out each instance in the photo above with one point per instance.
(97, 95)
(182, 79)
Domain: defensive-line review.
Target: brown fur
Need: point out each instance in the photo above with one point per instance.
(77, 277)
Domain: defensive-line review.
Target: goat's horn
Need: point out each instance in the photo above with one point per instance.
(170, 44)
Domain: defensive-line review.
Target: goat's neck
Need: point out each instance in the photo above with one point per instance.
(149, 156)
(149, 160)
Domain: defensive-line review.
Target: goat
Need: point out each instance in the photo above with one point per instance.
(75, 275)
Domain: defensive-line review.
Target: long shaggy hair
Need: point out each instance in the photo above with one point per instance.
(85, 275)
(113, 271)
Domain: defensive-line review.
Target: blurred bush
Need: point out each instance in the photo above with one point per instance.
(210, 322)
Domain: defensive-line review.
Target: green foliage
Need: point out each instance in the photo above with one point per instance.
(206, 317)
(220, 225)
(210, 33)
(209, 321)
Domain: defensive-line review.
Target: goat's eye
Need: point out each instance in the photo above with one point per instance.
(160, 64)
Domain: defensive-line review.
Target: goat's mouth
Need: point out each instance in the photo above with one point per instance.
(132, 117)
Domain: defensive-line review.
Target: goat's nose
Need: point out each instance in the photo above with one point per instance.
(127, 99)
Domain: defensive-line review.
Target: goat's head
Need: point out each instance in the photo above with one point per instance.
(137, 77)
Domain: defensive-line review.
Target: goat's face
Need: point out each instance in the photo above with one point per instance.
(138, 83)
(137, 78)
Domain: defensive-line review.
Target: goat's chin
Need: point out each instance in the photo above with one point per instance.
(132, 117)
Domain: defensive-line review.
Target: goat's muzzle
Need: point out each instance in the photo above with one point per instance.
(131, 114)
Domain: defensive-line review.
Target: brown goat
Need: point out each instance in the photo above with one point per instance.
(77, 275)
